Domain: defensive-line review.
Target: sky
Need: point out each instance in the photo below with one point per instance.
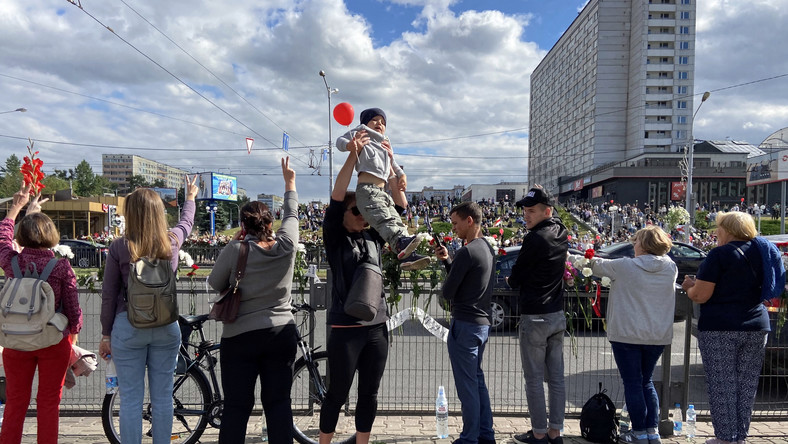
(186, 82)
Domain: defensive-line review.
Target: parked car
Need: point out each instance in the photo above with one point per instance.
(86, 254)
(687, 257)
(504, 304)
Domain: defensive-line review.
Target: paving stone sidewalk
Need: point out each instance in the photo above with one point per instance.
(410, 429)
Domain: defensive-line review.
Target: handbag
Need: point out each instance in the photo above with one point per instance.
(363, 299)
(225, 309)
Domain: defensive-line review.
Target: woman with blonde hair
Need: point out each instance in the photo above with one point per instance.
(733, 324)
(37, 235)
(133, 350)
(640, 323)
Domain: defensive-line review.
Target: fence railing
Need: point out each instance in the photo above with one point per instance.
(205, 255)
(418, 363)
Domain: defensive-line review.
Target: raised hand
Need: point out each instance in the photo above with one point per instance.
(288, 174)
(35, 204)
(22, 197)
(191, 187)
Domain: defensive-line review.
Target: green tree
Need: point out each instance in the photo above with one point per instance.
(84, 181)
(159, 183)
(54, 183)
(137, 181)
(12, 176)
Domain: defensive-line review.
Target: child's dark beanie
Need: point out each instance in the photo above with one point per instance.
(369, 114)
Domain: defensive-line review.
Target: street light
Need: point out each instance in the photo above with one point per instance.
(21, 110)
(613, 210)
(329, 91)
(691, 152)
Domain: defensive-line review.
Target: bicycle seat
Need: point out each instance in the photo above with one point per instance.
(192, 319)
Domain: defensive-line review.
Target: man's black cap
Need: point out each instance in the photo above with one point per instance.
(535, 196)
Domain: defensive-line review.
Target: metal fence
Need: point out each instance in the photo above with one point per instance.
(418, 363)
(205, 255)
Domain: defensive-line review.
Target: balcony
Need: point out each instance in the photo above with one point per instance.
(662, 22)
(658, 126)
(662, 37)
(660, 67)
(659, 97)
(661, 52)
(654, 81)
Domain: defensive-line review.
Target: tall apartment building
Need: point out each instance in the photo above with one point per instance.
(118, 168)
(617, 84)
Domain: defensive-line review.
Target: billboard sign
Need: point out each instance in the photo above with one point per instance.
(767, 168)
(596, 192)
(678, 190)
(215, 186)
(168, 195)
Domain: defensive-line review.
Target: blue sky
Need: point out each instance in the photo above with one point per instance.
(453, 77)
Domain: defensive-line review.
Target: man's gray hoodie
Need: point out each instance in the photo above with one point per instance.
(642, 298)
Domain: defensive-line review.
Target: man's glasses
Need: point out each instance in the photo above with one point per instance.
(355, 211)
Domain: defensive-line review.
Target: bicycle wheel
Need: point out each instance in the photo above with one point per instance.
(191, 399)
(306, 404)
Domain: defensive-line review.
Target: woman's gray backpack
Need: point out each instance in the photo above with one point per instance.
(598, 419)
(28, 318)
(151, 293)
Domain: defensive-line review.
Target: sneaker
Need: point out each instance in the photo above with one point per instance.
(631, 438)
(406, 245)
(557, 440)
(529, 438)
(486, 441)
(653, 438)
(414, 262)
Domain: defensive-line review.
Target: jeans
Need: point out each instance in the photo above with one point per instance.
(636, 364)
(365, 349)
(133, 351)
(20, 366)
(542, 348)
(466, 345)
(267, 354)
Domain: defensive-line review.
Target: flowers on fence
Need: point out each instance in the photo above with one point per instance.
(300, 268)
(578, 275)
(186, 260)
(392, 275)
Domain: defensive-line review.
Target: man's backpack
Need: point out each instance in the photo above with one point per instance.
(598, 419)
(151, 293)
(28, 319)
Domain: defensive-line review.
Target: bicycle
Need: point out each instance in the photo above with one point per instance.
(196, 397)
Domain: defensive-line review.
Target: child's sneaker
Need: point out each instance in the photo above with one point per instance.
(406, 245)
(414, 262)
(653, 436)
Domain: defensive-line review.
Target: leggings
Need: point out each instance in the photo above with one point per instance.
(733, 361)
(349, 349)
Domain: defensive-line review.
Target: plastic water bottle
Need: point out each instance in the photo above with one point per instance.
(690, 430)
(2, 410)
(442, 414)
(623, 420)
(111, 378)
(677, 418)
(263, 428)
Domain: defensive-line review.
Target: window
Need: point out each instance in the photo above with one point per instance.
(681, 119)
(683, 60)
(681, 134)
(683, 45)
(686, 2)
(664, 45)
(683, 75)
(681, 90)
(684, 30)
(685, 15)
(681, 104)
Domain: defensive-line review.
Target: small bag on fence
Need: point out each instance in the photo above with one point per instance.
(225, 307)
(598, 419)
(28, 319)
(151, 293)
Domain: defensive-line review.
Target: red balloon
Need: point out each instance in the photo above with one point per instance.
(343, 113)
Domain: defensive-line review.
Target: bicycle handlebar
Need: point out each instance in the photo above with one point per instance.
(302, 307)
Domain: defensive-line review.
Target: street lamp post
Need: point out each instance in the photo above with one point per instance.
(21, 110)
(691, 152)
(613, 210)
(329, 91)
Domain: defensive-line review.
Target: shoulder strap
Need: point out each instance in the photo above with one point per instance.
(15, 265)
(755, 275)
(48, 268)
(240, 268)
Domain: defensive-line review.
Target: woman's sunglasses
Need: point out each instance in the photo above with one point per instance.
(355, 211)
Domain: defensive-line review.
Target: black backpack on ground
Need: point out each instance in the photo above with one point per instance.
(598, 419)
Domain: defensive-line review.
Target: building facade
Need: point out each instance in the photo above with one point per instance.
(273, 201)
(617, 84)
(502, 192)
(119, 168)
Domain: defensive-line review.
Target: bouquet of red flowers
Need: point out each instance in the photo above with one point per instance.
(31, 170)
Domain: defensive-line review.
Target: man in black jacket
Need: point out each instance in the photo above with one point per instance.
(538, 273)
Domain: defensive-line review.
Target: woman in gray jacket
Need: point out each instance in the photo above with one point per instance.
(640, 323)
(261, 342)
